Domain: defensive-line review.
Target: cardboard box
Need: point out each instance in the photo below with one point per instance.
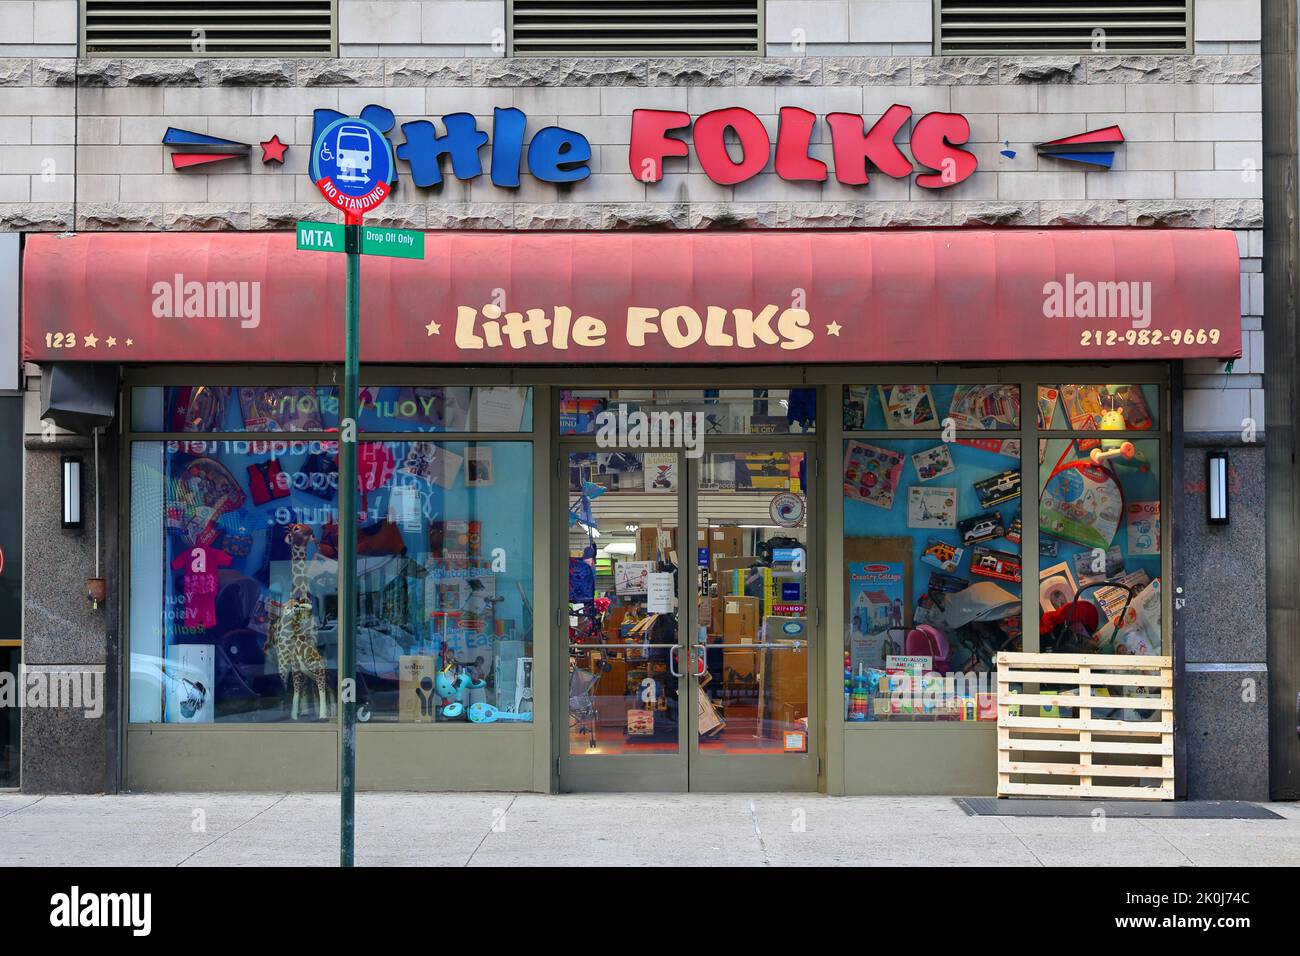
(746, 663)
(417, 702)
(727, 540)
(723, 565)
(740, 619)
(655, 541)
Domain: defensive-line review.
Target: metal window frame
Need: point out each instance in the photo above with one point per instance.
(839, 741)
(939, 50)
(83, 45)
(760, 42)
(1029, 433)
(299, 376)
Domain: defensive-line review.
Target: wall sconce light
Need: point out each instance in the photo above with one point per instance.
(1216, 487)
(72, 488)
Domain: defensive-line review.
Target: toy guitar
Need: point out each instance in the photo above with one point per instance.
(481, 713)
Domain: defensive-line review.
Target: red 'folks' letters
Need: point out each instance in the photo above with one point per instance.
(935, 144)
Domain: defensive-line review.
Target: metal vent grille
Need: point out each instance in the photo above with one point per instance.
(635, 27)
(208, 27)
(1063, 26)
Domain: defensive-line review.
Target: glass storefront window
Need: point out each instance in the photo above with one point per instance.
(1100, 546)
(234, 603)
(724, 411)
(1090, 408)
(895, 407)
(932, 575)
(308, 408)
(420, 408)
(234, 408)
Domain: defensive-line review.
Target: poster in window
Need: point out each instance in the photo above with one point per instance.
(908, 406)
(632, 577)
(877, 604)
(478, 466)
(931, 507)
(660, 472)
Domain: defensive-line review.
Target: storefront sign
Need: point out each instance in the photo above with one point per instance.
(555, 154)
(934, 143)
(640, 298)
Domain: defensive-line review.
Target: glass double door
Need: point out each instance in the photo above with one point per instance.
(691, 615)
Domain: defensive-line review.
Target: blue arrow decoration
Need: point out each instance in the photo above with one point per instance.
(1102, 160)
(185, 137)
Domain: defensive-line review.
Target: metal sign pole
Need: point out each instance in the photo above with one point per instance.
(348, 546)
(352, 165)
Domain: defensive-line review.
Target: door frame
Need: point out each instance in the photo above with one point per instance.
(722, 773)
(665, 772)
(690, 769)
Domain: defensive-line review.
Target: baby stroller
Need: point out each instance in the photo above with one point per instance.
(1072, 628)
(582, 701)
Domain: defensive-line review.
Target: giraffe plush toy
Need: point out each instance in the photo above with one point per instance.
(293, 635)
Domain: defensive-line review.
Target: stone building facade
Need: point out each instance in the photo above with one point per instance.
(81, 150)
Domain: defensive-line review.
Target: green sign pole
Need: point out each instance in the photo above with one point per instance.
(348, 548)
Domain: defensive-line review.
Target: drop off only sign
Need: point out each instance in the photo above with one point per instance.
(375, 240)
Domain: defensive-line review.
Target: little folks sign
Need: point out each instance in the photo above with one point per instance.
(1093, 295)
(561, 156)
(731, 145)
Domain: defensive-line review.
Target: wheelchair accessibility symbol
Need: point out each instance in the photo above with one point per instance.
(352, 165)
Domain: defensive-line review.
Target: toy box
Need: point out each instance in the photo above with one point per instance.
(982, 527)
(995, 564)
(942, 555)
(931, 507)
(933, 462)
(1001, 487)
(1144, 528)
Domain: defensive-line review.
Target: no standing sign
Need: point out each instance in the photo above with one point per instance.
(352, 165)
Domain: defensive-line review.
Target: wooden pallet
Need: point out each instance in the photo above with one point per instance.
(1071, 753)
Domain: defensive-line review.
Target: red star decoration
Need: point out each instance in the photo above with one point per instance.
(273, 150)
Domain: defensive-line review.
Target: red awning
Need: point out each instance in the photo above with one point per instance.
(627, 297)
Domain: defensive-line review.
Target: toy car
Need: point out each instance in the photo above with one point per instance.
(995, 564)
(942, 555)
(982, 527)
(1001, 487)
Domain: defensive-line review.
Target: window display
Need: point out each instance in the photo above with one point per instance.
(934, 406)
(234, 563)
(932, 532)
(934, 527)
(1100, 546)
(1090, 408)
(933, 575)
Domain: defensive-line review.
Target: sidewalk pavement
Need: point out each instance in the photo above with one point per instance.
(504, 829)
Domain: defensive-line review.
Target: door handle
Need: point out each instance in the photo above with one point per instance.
(672, 660)
(701, 655)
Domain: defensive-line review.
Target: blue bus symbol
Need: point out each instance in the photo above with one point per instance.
(352, 154)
